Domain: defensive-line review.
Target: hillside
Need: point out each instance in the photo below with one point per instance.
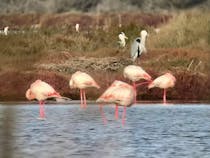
(59, 6)
(53, 51)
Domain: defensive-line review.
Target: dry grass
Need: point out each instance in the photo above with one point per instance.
(185, 30)
(185, 39)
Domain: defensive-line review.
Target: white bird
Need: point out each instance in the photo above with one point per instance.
(138, 45)
(157, 30)
(77, 27)
(6, 30)
(122, 38)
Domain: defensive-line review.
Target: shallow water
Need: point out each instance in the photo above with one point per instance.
(150, 131)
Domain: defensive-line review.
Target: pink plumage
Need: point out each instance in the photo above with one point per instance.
(136, 73)
(82, 81)
(41, 91)
(164, 81)
(119, 93)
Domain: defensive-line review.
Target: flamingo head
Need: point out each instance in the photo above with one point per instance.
(147, 77)
(151, 85)
(171, 76)
(30, 95)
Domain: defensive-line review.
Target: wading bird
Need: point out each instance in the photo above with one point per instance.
(136, 73)
(82, 81)
(120, 93)
(122, 38)
(41, 91)
(138, 45)
(165, 81)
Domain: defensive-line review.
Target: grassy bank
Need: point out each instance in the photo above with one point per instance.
(54, 51)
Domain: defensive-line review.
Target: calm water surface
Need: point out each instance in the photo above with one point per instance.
(151, 131)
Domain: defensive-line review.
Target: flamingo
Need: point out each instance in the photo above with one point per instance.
(120, 93)
(136, 73)
(122, 38)
(41, 91)
(165, 81)
(82, 81)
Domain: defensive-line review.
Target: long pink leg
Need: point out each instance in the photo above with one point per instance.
(164, 96)
(116, 112)
(41, 109)
(84, 97)
(81, 98)
(102, 114)
(124, 116)
(134, 87)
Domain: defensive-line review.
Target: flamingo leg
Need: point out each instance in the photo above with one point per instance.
(41, 109)
(81, 98)
(124, 116)
(103, 115)
(116, 112)
(164, 96)
(84, 97)
(134, 87)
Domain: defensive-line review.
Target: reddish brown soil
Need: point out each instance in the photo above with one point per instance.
(188, 86)
(86, 20)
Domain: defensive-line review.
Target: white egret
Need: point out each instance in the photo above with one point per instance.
(6, 30)
(122, 38)
(77, 27)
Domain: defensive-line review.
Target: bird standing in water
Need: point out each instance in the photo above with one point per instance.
(120, 93)
(41, 91)
(82, 81)
(165, 81)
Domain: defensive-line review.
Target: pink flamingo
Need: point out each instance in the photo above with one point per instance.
(119, 93)
(82, 81)
(41, 91)
(109, 90)
(136, 73)
(165, 81)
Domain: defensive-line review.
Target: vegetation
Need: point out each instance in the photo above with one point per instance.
(59, 6)
(55, 50)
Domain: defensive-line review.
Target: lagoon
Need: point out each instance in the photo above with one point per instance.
(151, 131)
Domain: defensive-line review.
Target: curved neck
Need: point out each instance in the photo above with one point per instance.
(143, 39)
